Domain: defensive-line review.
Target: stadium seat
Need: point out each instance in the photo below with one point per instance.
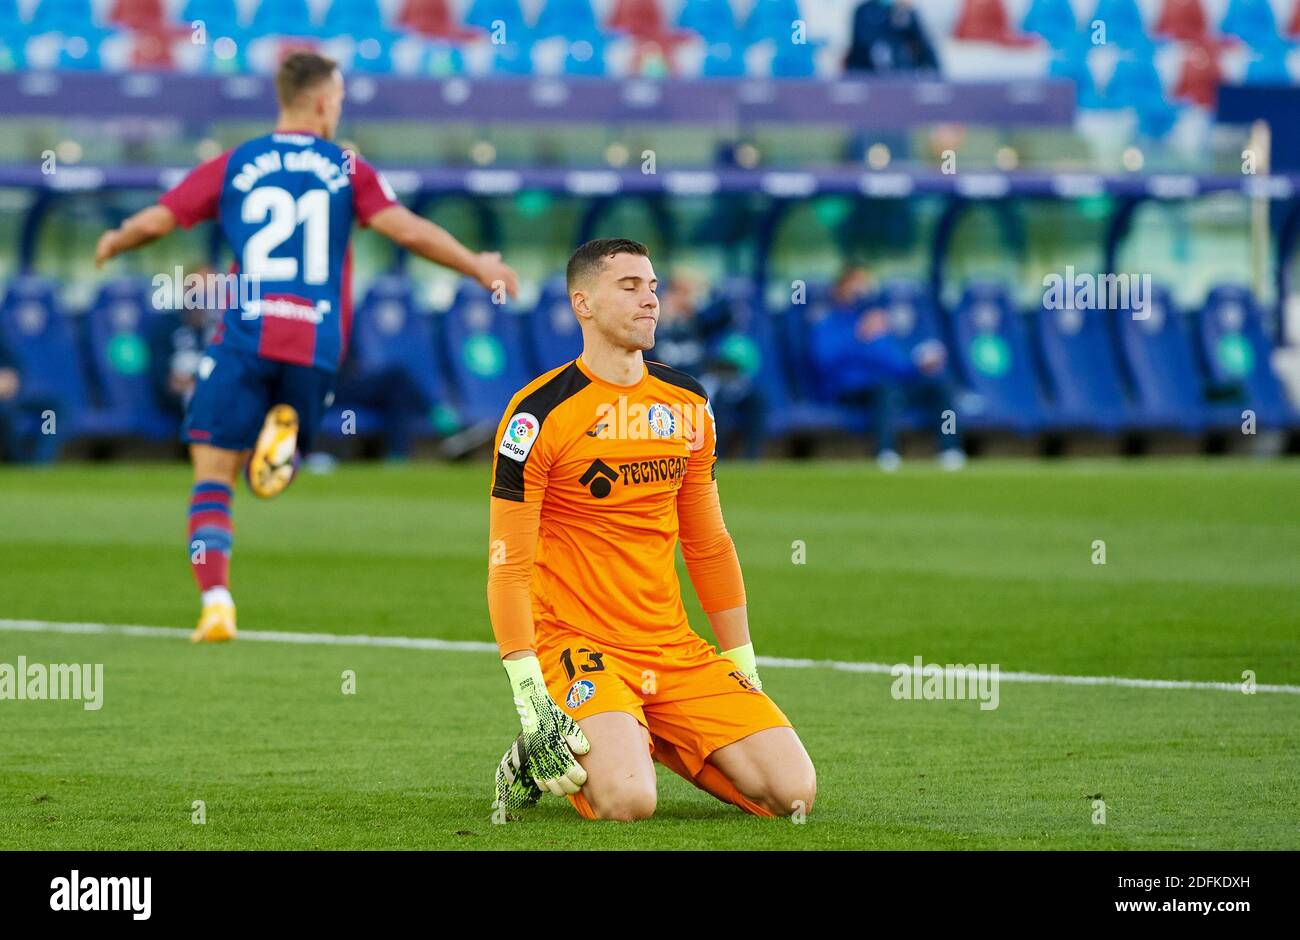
(1184, 20)
(1293, 25)
(772, 19)
(585, 55)
(485, 13)
(794, 60)
(358, 18)
(992, 356)
(1086, 388)
(220, 17)
(282, 18)
(74, 17)
(987, 21)
(1159, 362)
(484, 353)
(433, 18)
(1123, 23)
(713, 20)
(912, 314)
(1251, 21)
(554, 334)
(39, 333)
(1269, 66)
(137, 14)
(1054, 20)
(1238, 355)
(752, 336)
(568, 18)
(390, 334)
(125, 402)
(1136, 84)
(151, 49)
(1071, 62)
(1199, 77)
(80, 50)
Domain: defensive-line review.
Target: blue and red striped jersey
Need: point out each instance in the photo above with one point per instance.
(286, 203)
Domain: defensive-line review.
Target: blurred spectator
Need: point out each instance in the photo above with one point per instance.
(177, 339)
(16, 414)
(863, 364)
(392, 392)
(888, 36)
(698, 342)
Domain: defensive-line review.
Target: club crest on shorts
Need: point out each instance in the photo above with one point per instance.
(662, 421)
(581, 691)
(521, 432)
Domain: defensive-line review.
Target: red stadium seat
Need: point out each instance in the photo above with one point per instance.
(987, 21)
(137, 14)
(433, 18)
(1293, 25)
(151, 50)
(1198, 80)
(1183, 19)
(642, 19)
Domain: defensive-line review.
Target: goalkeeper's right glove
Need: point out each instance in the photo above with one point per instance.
(515, 789)
(551, 737)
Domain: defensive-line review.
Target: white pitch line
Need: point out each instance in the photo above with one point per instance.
(473, 646)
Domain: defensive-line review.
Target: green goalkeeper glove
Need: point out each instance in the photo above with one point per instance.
(550, 736)
(743, 656)
(515, 789)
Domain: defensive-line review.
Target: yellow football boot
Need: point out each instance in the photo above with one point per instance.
(216, 624)
(274, 461)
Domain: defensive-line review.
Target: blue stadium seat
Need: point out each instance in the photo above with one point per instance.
(1160, 364)
(752, 325)
(389, 333)
(586, 55)
(358, 18)
(795, 60)
(374, 52)
(1123, 21)
(117, 344)
(724, 60)
(1237, 355)
(912, 314)
(771, 19)
(993, 357)
(1053, 20)
(514, 56)
(569, 18)
(808, 409)
(483, 13)
(63, 16)
(1251, 21)
(553, 328)
(484, 353)
(220, 17)
(39, 333)
(1268, 66)
(282, 18)
(714, 20)
(1071, 61)
(1083, 373)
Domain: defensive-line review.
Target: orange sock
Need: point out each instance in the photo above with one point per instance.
(579, 801)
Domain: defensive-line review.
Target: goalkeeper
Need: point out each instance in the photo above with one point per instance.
(587, 508)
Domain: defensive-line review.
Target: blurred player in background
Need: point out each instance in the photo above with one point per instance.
(286, 203)
(602, 465)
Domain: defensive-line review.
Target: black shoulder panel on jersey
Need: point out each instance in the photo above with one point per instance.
(676, 377)
(540, 402)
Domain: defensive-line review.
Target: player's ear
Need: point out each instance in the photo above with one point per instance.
(578, 301)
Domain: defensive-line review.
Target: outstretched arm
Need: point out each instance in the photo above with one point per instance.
(140, 229)
(421, 237)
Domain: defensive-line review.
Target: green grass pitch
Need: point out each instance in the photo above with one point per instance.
(993, 565)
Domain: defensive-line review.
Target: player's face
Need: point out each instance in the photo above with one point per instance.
(622, 303)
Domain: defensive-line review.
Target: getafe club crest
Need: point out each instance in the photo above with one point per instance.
(662, 421)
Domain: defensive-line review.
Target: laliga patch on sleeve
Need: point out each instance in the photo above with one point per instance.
(521, 432)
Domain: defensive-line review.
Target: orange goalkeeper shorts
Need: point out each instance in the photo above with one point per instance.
(682, 691)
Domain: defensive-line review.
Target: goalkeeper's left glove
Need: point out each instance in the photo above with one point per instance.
(743, 656)
(515, 787)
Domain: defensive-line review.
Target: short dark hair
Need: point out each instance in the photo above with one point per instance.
(299, 72)
(590, 258)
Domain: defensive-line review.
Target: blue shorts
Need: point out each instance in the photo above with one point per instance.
(236, 389)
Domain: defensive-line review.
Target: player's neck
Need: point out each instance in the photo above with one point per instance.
(288, 123)
(613, 365)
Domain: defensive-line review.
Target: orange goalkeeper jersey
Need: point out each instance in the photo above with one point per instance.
(593, 484)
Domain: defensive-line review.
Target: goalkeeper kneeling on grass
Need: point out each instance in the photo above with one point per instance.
(602, 466)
